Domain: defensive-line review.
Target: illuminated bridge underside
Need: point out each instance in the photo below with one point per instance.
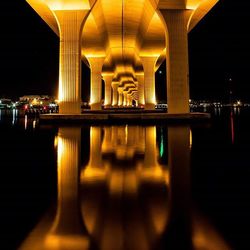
(123, 42)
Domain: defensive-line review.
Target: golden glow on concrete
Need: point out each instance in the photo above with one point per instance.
(96, 64)
(115, 93)
(45, 13)
(68, 5)
(125, 93)
(140, 79)
(200, 11)
(70, 23)
(177, 60)
(123, 35)
(149, 81)
(120, 98)
(108, 91)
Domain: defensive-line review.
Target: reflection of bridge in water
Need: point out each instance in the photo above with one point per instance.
(124, 198)
(123, 42)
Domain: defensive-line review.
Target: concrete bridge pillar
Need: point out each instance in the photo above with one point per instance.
(149, 81)
(125, 93)
(70, 23)
(108, 81)
(140, 79)
(177, 59)
(120, 99)
(129, 100)
(115, 93)
(96, 64)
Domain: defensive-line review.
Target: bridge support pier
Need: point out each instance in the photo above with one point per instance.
(108, 97)
(129, 100)
(120, 102)
(149, 81)
(115, 93)
(176, 22)
(140, 79)
(125, 98)
(96, 64)
(70, 23)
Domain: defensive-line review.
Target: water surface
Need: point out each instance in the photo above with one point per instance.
(125, 186)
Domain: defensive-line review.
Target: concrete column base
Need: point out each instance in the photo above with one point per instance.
(96, 106)
(70, 108)
(149, 106)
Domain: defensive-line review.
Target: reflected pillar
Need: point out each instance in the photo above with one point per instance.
(96, 169)
(140, 79)
(115, 93)
(177, 60)
(151, 153)
(65, 229)
(70, 23)
(96, 64)
(107, 141)
(95, 158)
(149, 81)
(68, 230)
(179, 184)
(108, 81)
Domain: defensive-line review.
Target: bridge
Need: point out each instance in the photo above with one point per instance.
(123, 42)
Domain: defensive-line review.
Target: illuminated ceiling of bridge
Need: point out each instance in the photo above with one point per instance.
(122, 31)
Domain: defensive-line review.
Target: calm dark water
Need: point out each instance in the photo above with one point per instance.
(127, 186)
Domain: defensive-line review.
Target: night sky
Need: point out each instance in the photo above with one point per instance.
(218, 50)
